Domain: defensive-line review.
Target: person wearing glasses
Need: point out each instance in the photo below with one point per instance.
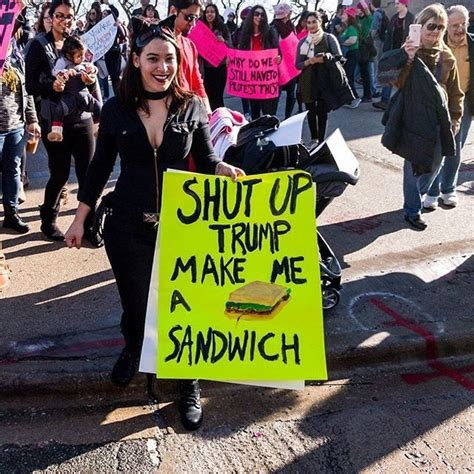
(462, 45)
(258, 35)
(78, 136)
(153, 124)
(425, 115)
(187, 14)
(215, 77)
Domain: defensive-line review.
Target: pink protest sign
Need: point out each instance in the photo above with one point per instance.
(287, 69)
(252, 74)
(302, 34)
(208, 46)
(9, 9)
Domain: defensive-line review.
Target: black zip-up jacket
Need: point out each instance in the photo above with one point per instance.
(470, 92)
(122, 132)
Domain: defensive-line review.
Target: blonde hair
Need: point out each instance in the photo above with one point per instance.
(436, 11)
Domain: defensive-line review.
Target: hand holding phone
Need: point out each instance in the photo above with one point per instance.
(415, 34)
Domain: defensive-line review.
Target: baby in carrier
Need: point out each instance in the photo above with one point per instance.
(76, 97)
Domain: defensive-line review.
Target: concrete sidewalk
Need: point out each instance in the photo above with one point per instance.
(406, 304)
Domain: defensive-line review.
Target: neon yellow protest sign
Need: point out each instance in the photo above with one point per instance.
(239, 294)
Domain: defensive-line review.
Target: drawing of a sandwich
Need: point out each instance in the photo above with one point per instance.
(257, 298)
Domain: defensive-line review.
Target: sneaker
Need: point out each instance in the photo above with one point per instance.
(449, 199)
(381, 105)
(4, 273)
(430, 202)
(190, 404)
(354, 104)
(366, 99)
(417, 222)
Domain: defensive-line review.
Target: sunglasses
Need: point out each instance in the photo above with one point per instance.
(257, 13)
(62, 17)
(155, 32)
(189, 17)
(434, 26)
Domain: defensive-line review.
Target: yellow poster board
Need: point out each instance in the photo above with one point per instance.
(239, 295)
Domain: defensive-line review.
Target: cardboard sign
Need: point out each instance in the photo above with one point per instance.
(252, 74)
(239, 295)
(101, 37)
(8, 12)
(208, 46)
(287, 69)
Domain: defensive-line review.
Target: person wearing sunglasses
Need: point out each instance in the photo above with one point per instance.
(187, 13)
(424, 116)
(78, 136)
(462, 45)
(152, 125)
(258, 35)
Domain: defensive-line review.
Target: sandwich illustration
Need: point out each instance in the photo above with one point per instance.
(257, 298)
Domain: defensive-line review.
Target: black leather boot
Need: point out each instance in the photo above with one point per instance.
(190, 404)
(48, 223)
(125, 368)
(13, 221)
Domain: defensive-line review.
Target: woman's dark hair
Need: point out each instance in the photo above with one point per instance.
(304, 16)
(218, 23)
(151, 7)
(72, 44)
(40, 25)
(183, 4)
(131, 92)
(247, 28)
(94, 7)
(317, 15)
(57, 3)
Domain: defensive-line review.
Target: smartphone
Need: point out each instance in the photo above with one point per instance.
(415, 34)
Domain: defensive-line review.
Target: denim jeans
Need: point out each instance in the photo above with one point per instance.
(415, 186)
(386, 93)
(12, 146)
(447, 178)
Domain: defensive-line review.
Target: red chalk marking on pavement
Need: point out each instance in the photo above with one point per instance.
(441, 369)
(74, 348)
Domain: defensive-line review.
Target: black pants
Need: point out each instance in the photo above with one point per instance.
(260, 107)
(78, 142)
(130, 250)
(317, 120)
(113, 61)
(289, 88)
(214, 83)
(352, 59)
(364, 67)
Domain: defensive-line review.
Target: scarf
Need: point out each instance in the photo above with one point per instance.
(10, 76)
(313, 39)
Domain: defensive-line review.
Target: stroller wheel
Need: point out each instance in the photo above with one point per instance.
(331, 298)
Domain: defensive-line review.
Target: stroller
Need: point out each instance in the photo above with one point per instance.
(255, 153)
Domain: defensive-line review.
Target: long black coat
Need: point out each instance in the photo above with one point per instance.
(417, 115)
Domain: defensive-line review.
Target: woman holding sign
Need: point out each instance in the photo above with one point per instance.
(215, 77)
(258, 35)
(153, 124)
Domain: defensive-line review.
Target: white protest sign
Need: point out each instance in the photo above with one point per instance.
(101, 37)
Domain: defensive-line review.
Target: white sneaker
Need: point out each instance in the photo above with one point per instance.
(354, 104)
(430, 202)
(450, 199)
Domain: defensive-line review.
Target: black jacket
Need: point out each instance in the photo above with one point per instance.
(407, 21)
(417, 115)
(122, 132)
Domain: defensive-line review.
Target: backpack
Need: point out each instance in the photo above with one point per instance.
(384, 22)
